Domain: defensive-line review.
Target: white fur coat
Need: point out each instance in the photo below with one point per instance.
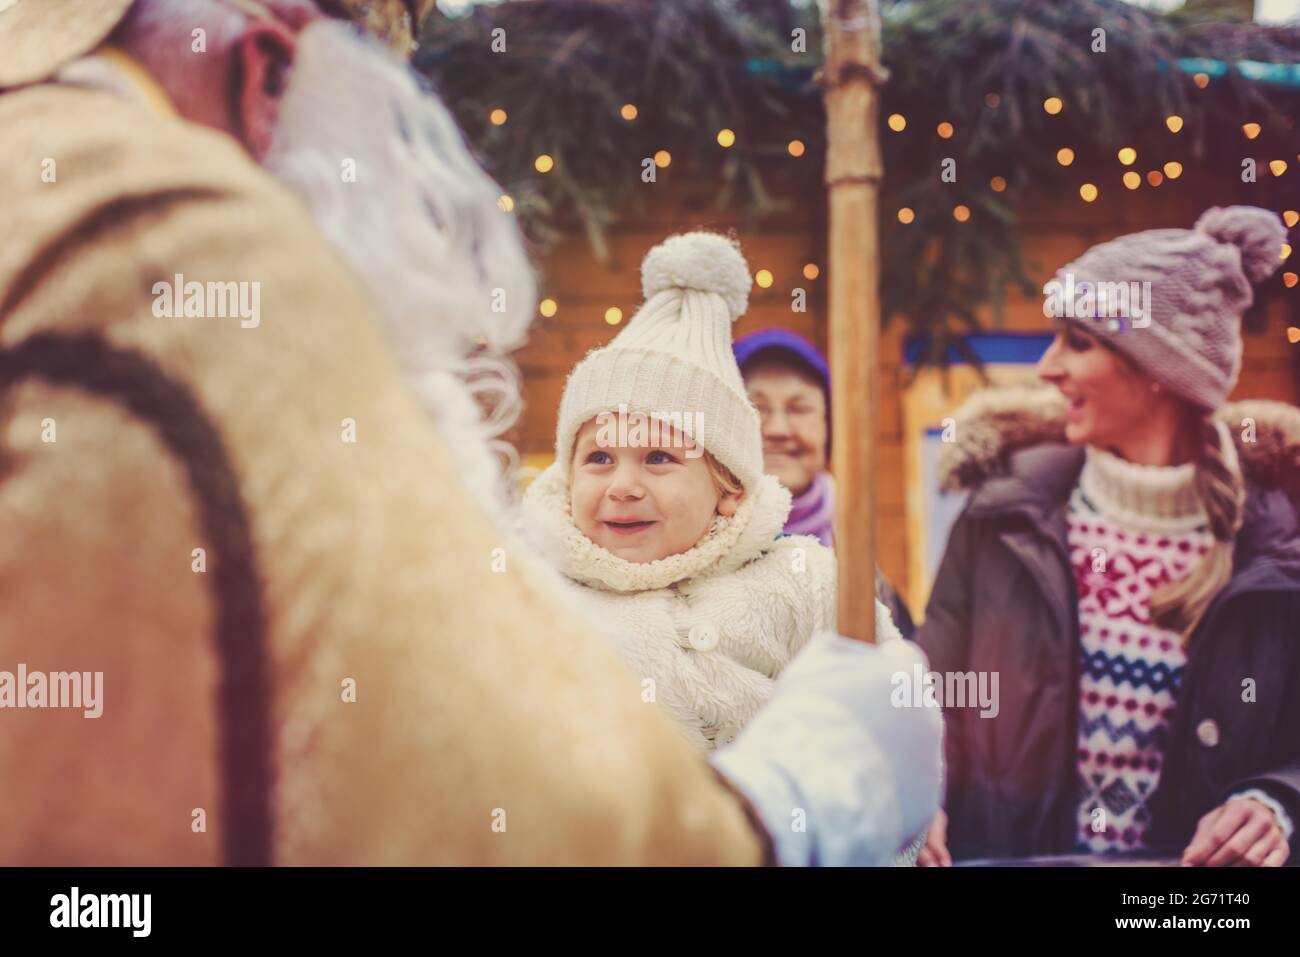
(707, 631)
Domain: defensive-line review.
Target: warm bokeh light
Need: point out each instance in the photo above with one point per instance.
(944, 130)
(1128, 155)
(1175, 123)
(663, 158)
(763, 278)
(1290, 217)
(897, 122)
(1173, 169)
(628, 112)
(1289, 279)
(998, 184)
(905, 215)
(1286, 250)
(613, 315)
(1155, 177)
(1065, 156)
(497, 116)
(1132, 180)
(548, 307)
(811, 271)
(795, 148)
(726, 138)
(1053, 105)
(1088, 191)
(1277, 167)
(505, 203)
(1202, 80)
(1251, 130)
(961, 213)
(544, 163)
(1293, 334)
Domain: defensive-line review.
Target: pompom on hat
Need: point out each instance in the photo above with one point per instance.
(674, 357)
(1201, 282)
(1257, 235)
(704, 261)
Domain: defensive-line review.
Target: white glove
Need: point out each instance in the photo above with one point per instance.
(838, 773)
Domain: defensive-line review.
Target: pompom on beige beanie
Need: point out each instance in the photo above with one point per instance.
(673, 361)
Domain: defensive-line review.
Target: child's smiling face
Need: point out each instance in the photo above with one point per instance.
(643, 503)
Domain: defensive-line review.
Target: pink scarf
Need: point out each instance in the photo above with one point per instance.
(813, 512)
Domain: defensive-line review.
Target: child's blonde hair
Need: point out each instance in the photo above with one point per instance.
(723, 478)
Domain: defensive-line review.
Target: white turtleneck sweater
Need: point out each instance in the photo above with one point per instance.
(1131, 529)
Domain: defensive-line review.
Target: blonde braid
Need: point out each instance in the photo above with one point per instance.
(1178, 605)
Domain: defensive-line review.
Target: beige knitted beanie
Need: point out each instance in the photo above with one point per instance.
(673, 362)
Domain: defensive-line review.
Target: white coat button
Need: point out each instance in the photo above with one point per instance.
(726, 734)
(1207, 732)
(703, 637)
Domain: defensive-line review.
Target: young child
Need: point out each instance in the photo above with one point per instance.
(657, 508)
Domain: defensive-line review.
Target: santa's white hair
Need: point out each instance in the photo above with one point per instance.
(452, 284)
(391, 185)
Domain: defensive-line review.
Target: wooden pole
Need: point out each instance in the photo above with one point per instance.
(851, 80)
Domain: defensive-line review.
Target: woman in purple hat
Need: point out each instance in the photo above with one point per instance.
(789, 382)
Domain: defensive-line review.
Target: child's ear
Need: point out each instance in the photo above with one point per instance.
(728, 502)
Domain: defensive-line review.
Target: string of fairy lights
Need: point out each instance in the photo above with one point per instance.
(897, 123)
(726, 138)
(1131, 178)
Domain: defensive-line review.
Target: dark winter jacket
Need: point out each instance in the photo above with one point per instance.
(1005, 600)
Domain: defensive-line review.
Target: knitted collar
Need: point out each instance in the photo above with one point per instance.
(1146, 496)
(1159, 498)
(727, 545)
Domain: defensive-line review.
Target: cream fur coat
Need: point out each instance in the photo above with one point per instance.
(708, 631)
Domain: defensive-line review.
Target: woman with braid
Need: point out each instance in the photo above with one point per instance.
(1128, 563)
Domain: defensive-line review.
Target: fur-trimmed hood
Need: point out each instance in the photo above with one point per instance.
(745, 600)
(994, 423)
(727, 545)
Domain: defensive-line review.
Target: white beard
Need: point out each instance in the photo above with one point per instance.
(421, 227)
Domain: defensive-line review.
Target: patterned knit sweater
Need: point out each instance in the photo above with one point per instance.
(1131, 528)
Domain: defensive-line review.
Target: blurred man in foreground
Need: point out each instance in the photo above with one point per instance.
(220, 490)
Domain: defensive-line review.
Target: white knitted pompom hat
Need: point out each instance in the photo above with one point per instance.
(674, 357)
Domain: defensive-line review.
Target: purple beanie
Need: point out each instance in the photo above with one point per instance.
(748, 347)
(782, 344)
(1195, 284)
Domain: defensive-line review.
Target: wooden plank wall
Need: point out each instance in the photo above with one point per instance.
(1054, 230)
